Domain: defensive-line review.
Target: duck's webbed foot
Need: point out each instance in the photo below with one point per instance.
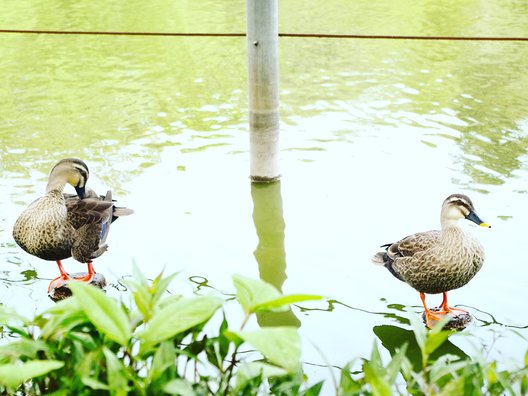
(89, 276)
(459, 318)
(60, 280)
(445, 309)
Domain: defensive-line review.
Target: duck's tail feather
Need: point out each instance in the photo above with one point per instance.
(380, 258)
(120, 211)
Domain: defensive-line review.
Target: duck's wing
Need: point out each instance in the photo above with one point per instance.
(82, 212)
(413, 244)
(405, 248)
(90, 217)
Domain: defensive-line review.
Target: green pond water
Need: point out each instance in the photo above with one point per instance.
(375, 134)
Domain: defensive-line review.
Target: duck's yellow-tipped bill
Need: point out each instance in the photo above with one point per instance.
(472, 216)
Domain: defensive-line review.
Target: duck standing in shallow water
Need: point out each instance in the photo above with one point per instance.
(438, 261)
(57, 226)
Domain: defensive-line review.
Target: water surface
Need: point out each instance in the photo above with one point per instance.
(375, 134)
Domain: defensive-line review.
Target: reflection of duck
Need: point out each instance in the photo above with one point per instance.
(57, 226)
(438, 261)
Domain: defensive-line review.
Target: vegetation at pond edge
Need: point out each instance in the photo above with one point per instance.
(161, 343)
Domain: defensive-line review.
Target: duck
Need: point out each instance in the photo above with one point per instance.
(437, 261)
(60, 225)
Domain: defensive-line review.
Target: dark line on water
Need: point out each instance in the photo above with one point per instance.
(293, 35)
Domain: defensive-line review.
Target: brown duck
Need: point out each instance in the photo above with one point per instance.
(438, 261)
(57, 226)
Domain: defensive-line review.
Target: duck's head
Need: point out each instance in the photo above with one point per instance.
(72, 171)
(459, 206)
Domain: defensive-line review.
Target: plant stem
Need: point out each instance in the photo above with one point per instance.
(230, 369)
(244, 322)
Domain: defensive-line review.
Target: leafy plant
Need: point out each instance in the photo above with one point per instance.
(425, 362)
(162, 344)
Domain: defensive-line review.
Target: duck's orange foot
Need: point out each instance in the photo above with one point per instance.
(84, 278)
(454, 312)
(61, 280)
(61, 291)
(58, 282)
(459, 319)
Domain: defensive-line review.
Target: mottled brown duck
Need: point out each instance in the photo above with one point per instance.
(437, 261)
(57, 226)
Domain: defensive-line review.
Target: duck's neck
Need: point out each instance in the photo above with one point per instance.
(448, 224)
(451, 231)
(55, 185)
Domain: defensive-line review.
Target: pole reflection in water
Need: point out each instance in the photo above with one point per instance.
(270, 253)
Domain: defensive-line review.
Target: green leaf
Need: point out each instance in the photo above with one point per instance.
(233, 337)
(434, 340)
(14, 322)
(396, 364)
(217, 348)
(505, 380)
(8, 316)
(418, 330)
(283, 301)
(85, 339)
(103, 312)
(164, 358)
(392, 337)
(24, 347)
(178, 317)
(146, 296)
(378, 377)
(117, 376)
(179, 387)
(142, 297)
(491, 373)
(524, 384)
(254, 292)
(248, 371)
(138, 275)
(375, 357)
(446, 365)
(160, 286)
(169, 300)
(280, 345)
(314, 390)
(94, 384)
(91, 367)
(347, 384)
(376, 380)
(223, 341)
(61, 317)
(454, 387)
(12, 375)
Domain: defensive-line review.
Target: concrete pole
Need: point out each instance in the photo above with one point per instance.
(263, 82)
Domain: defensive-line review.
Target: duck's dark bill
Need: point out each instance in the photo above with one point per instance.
(472, 216)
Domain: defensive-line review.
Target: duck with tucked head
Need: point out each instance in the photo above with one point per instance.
(437, 261)
(57, 226)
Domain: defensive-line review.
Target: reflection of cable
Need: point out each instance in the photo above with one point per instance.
(401, 308)
(301, 35)
(493, 320)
